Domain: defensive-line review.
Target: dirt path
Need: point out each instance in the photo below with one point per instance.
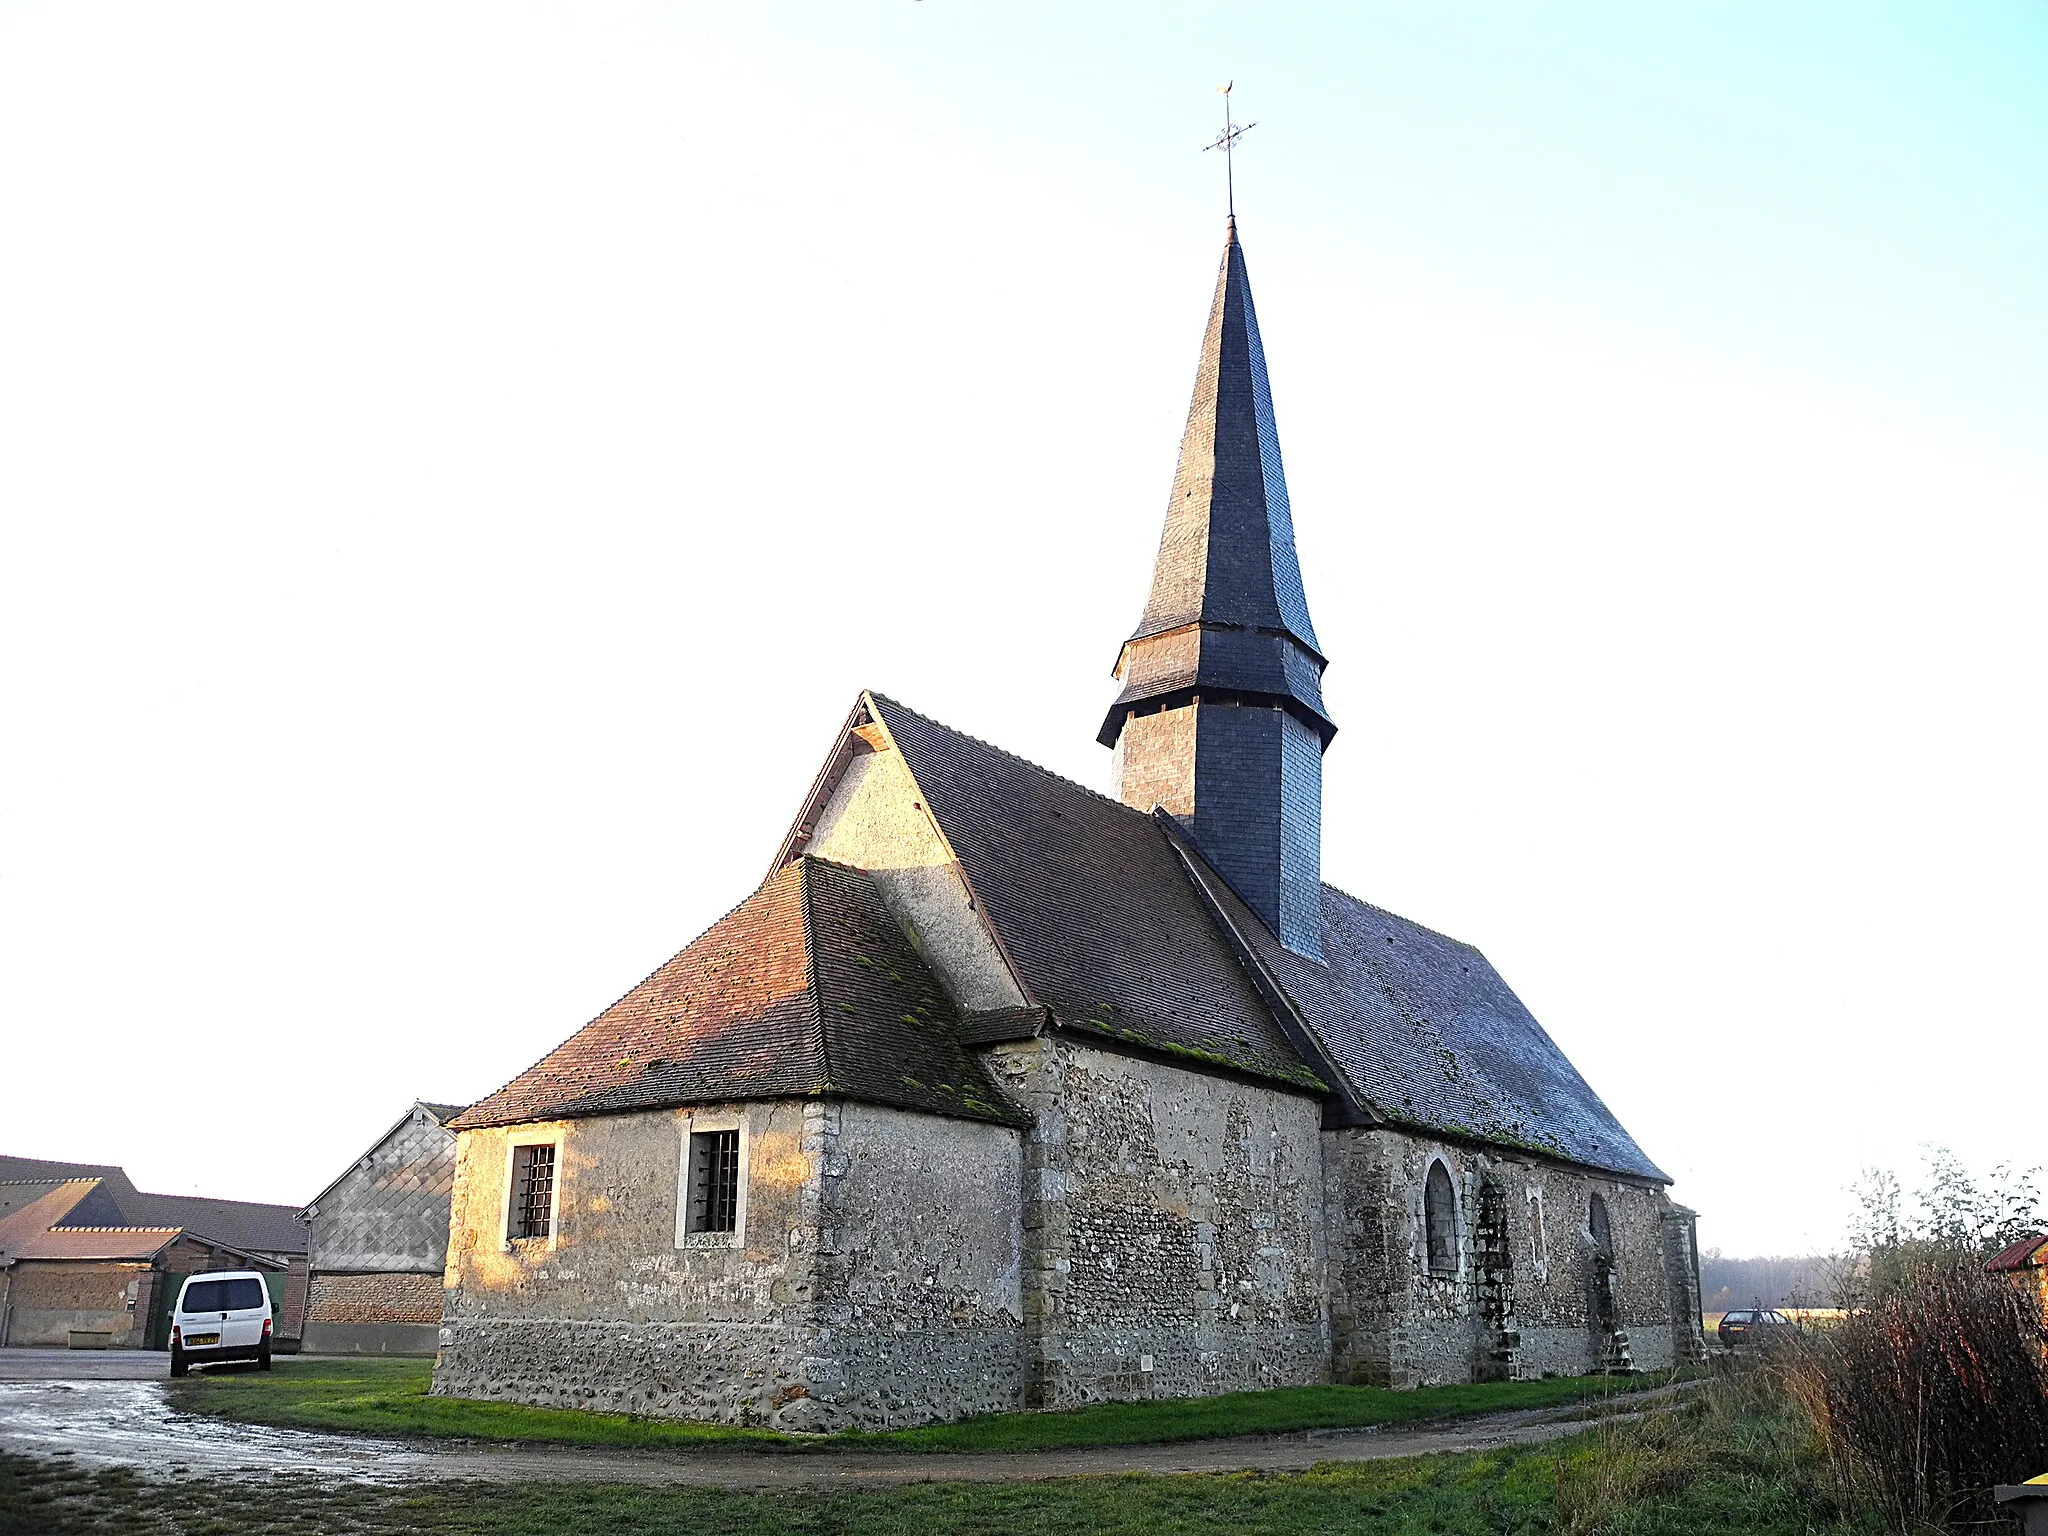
(130, 1423)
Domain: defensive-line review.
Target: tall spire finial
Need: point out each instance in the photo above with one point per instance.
(1227, 142)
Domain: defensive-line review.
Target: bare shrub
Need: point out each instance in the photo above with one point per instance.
(1741, 1428)
(1933, 1394)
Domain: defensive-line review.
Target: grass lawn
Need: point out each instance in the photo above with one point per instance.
(1686, 1472)
(389, 1397)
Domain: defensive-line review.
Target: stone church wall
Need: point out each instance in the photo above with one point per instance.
(1172, 1229)
(1158, 1233)
(1523, 1297)
(920, 1269)
(609, 1312)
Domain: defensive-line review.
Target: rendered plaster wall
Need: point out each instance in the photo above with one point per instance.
(1172, 1228)
(1396, 1323)
(920, 1269)
(875, 820)
(390, 1212)
(46, 1300)
(609, 1312)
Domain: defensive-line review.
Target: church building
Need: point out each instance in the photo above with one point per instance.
(1000, 1093)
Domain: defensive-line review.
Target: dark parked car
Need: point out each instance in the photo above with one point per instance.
(1754, 1325)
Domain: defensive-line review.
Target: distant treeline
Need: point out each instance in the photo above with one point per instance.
(1808, 1281)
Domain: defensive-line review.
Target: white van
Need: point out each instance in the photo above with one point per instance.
(221, 1315)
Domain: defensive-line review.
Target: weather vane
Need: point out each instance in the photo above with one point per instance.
(1227, 142)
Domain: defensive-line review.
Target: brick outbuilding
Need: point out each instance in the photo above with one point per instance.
(86, 1258)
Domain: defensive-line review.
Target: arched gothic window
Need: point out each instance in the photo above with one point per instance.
(1440, 1220)
(1603, 1234)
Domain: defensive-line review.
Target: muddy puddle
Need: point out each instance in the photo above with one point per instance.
(132, 1424)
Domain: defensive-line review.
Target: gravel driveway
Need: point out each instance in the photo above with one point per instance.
(111, 1410)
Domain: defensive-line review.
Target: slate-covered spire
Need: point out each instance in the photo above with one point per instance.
(1221, 717)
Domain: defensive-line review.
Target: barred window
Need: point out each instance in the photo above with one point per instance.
(533, 1190)
(715, 1181)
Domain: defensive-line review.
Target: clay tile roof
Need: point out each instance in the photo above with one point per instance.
(32, 1230)
(115, 1202)
(807, 988)
(2028, 1252)
(99, 1243)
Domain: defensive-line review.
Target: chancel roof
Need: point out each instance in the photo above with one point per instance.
(807, 988)
(48, 1215)
(1113, 930)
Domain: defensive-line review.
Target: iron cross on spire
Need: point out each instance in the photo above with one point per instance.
(1227, 142)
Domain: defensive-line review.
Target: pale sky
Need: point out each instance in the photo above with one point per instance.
(459, 463)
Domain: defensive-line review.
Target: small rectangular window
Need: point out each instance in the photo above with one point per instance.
(533, 1190)
(715, 1181)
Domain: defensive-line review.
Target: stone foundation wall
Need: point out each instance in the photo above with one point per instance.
(1156, 1233)
(1172, 1229)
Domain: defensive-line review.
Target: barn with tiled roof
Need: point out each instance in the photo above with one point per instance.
(1002, 1093)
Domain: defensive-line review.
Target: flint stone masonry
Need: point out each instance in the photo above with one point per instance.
(1172, 1220)
(920, 1270)
(1395, 1324)
(1155, 1232)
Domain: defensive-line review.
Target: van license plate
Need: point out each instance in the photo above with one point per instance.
(197, 1339)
